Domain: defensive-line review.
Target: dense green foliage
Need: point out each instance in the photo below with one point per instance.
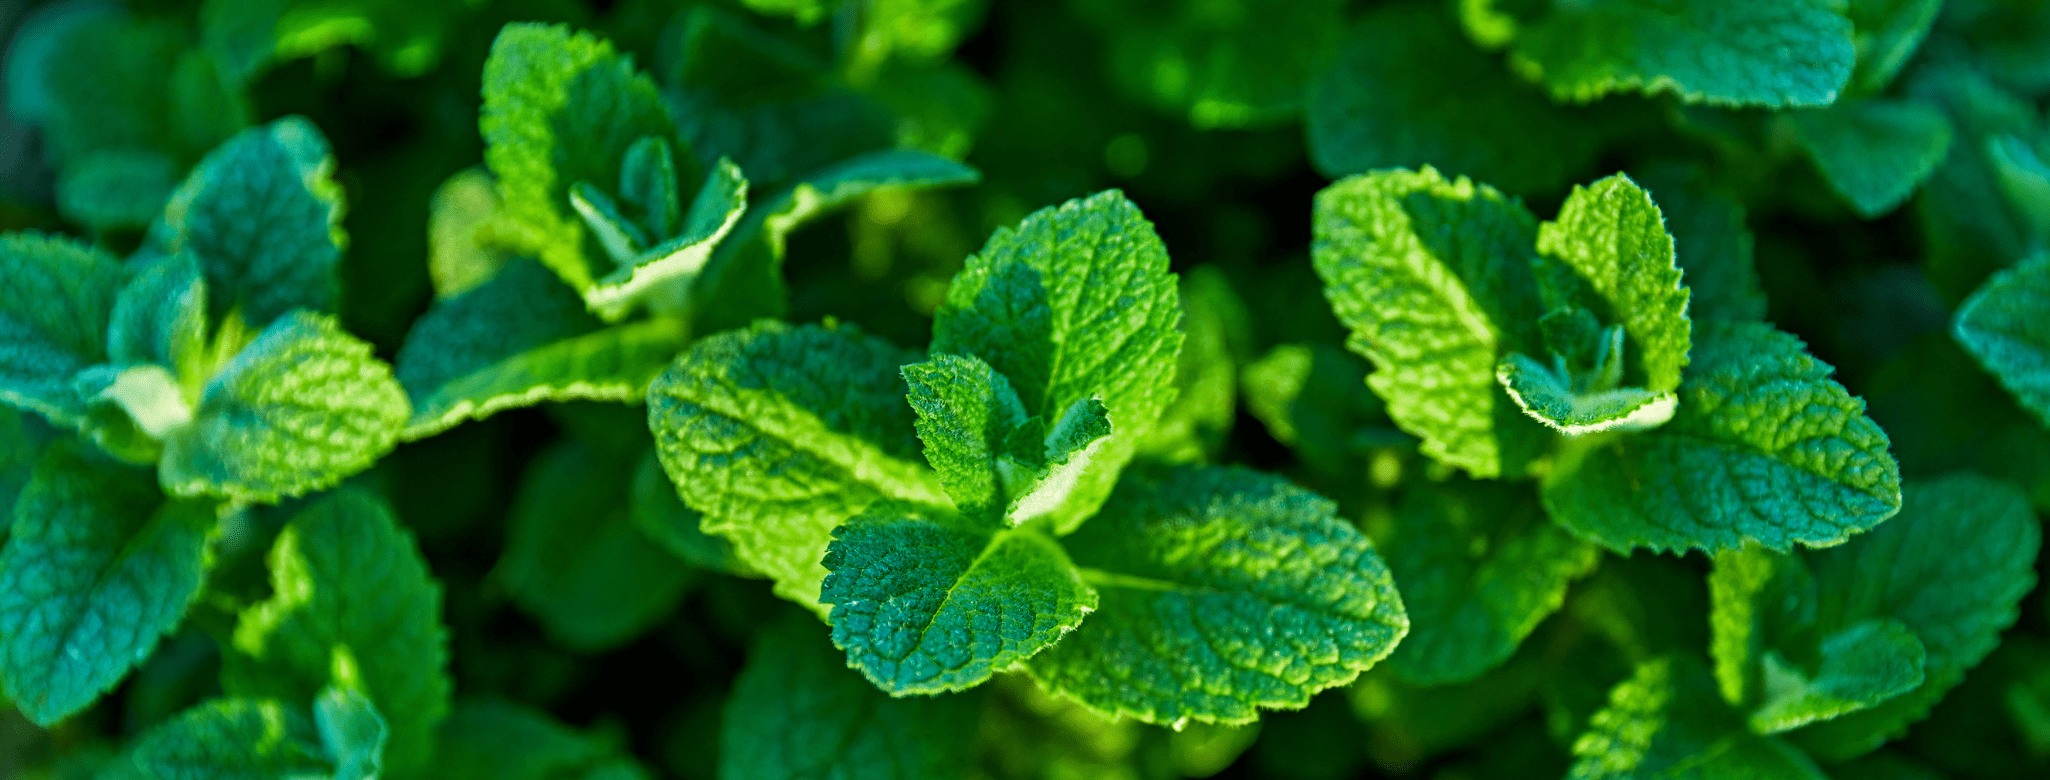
(1059, 390)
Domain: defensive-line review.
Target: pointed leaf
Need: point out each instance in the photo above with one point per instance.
(1864, 664)
(160, 317)
(1667, 722)
(1550, 399)
(670, 265)
(1874, 152)
(53, 320)
(1614, 239)
(965, 409)
(2005, 326)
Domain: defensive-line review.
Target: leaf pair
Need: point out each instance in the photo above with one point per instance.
(1678, 437)
(152, 360)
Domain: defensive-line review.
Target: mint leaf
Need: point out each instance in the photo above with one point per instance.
(1667, 722)
(53, 321)
(1373, 108)
(1765, 447)
(264, 218)
(460, 256)
(575, 560)
(1866, 663)
(352, 605)
(116, 189)
(1614, 240)
(1216, 337)
(519, 339)
(2002, 325)
(675, 261)
(160, 317)
(1711, 243)
(930, 601)
(1874, 152)
(781, 433)
(838, 185)
(1549, 397)
(300, 408)
(1076, 303)
(797, 711)
(247, 739)
(96, 570)
(1952, 568)
(1757, 598)
(560, 107)
(965, 411)
(653, 507)
(1222, 591)
(1432, 279)
(1479, 566)
(351, 732)
(489, 739)
(1772, 53)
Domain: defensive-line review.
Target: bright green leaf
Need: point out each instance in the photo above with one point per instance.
(1757, 598)
(1433, 279)
(1772, 53)
(1874, 152)
(1667, 722)
(835, 186)
(929, 601)
(780, 433)
(352, 604)
(300, 408)
(1075, 303)
(53, 320)
(965, 411)
(1223, 591)
(97, 569)
(1711, 244)
(1613, 238)
(2006, 325)
(1765, 447)
(1550, 398)
(673, 262)
(1216, 338)
(263, 216)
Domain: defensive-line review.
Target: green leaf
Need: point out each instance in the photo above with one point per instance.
(1432, 277)
(352, 605)
(264, 218)
(1076, 303)
(653, 507)
(237, 739)
(2003, 325)
(1886, 33)
(797, 711)
(1864, 664)
(965, 411)
(97, 569)
(1216, 337)
(1479, 566)
(1667, 722)
(1230, 64)
(838, 185)
(1614, 239)
(1711, 244)
(351, 731)
(1550, 398)
(1757, 599)
(1222, 591)
(105, 83)
(1874, 152)
(520, 339)
(1772, 53)
(675, 262)
(930, 601)
(1765, 447)
(300, 408)
(1373, 108)
(116, 189)
(781, 433)
(488, 739)
(160, 317)
(1952, 568)
(53, 320)
(574, 558)
(1308, 395)
(560, 107)
(460, 255)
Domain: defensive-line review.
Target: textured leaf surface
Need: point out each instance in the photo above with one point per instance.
(675, 261)
(1479, 566)
(781, 433)
(1550, 399)
(1667, 722)
(300, 408)
(797, 711)
(1952, 568)
(1432, 278)
(1711, 244)
(264, 217)
(1373, 108)
(1223, 591)
(1725, 52)
(2006, 325)
(926, 602)
(1866, 663)
(1874, 152)
(53, 320)
(352, 596)
(574, 558)
(965, 411)
(238, 739)
(560, 107)
(520, 339)
(1765, 447)
(1614, 239)
(160, 317)
(1075, 303)
(97, 569)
